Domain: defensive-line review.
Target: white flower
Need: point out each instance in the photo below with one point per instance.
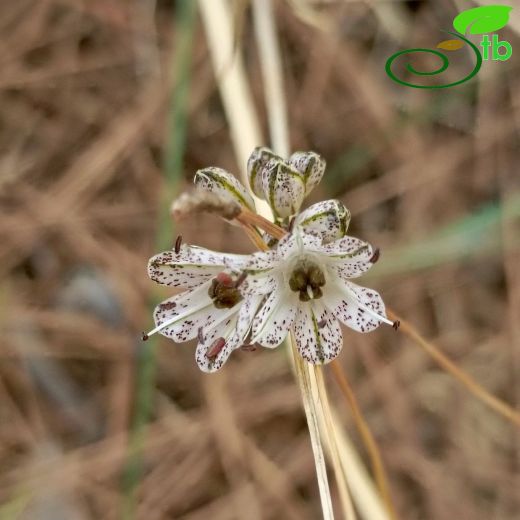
(213, 307)
(307, 288)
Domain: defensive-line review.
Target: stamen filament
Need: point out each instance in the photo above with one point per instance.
(175, 319)
(372, 312)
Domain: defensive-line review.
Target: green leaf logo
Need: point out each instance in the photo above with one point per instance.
(480, 20)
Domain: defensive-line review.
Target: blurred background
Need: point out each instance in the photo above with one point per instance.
(107, 108)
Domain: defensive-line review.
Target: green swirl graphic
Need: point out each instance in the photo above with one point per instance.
(442, 68)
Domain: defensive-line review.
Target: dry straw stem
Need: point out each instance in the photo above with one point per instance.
(444, 362)
(368, 439)
(320, 389)
(312, 404)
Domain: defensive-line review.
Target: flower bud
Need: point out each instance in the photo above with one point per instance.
(219, 181)
(255, 166)
(327, 220)
(284, 188)
(311, 166)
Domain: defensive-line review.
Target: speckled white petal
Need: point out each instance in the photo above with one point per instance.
(357, 307)
(261, 273)
(176, 309)
(246, 314)
(311, 166)
(274, 318)
(191, 266)
(296, 242)
(226, 330)
(284, 188)
(255, 166)
(221, 182)
(353, 265)
(204, 319)
(327, 220)
(261, 283)
(317, 332)
(345, 247)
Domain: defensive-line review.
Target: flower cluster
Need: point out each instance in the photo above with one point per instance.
(302, 283)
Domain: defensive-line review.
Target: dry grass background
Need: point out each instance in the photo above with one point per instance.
(430, 176)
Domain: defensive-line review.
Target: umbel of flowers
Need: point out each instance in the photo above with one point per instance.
(301, 281)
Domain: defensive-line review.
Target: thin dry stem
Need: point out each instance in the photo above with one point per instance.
(444, 362)
(368, 439)
(250, 218)
(332, 441)
(311, 404)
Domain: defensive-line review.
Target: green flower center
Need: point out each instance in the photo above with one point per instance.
(307, 279)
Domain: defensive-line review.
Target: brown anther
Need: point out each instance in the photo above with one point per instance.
(248, 348)
(322, 323)
(317, 293)
(316, 277)
(200, 335)
(178, 244)
(396, 324)
(215, 348)
(375, 256)
(298, 281)
(144, 336)
(304, 296)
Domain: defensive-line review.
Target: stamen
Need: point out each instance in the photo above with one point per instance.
(371, 311)
(248, 347)
(322, 323)
(375, 256)
(374, 313)
(215, 348)
(396, 324)
(144, 336)
(178, 244)
(200, 335)
(176, 319)
(290, 227)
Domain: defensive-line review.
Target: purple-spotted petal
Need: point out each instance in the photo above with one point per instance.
(224, 332)
(327, 220)
(357, 307)
(182, 315)
(246, 314)
(317, 333)
(311, 166)
(274, 318)
(221, 182)
(296, 242)
(191, 266)
(347, 248)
